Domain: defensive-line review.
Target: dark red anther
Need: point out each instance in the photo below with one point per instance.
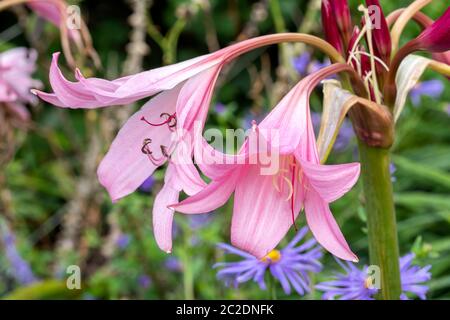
(171, 121)
(146, 150)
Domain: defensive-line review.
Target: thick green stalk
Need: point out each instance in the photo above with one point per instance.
(381, 220)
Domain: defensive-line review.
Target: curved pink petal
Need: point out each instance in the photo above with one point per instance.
(288, 118)
(162, 215)
(194, 99)
(47, 10)
(331, 181)
(213, 163)
(187, 174)
(324, 227)
(71, 94)
(49, 97)
(125, 166)
(214, 195)
(95, 92)
(262, 215)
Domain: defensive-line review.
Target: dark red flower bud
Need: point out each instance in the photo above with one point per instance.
(330, 27)
(380, 32)
(436, 37)
(341, 13)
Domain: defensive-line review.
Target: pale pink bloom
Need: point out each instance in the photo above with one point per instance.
(16, 68)
(149, 137)
(52, 11)
(57, 13)
(265, 206)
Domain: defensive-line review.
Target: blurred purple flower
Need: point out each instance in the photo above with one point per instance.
(290, 266)
(144, 281)
(412, 277)
(220, 108)
(317, 65)
(147, 185)
(355, 284)
(430, 88)
(301, 63)
(123, 241)
(392, 169)
(198, 221)
(345, 135)
(173, 264)
(447, 109)
(19, 268)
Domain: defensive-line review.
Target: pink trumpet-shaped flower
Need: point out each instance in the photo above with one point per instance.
(153, 134)
(265, 206)
(49, 10)
(16, 68)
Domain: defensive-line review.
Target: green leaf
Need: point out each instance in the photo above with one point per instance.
(425, 173)
(46, 290)
(422, 200)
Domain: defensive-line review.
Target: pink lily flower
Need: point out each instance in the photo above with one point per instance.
(266, 206)
(55, 12)
(152, 135)
(16, 68)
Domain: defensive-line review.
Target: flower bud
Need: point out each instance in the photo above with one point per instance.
(330, 27)
(380, 32)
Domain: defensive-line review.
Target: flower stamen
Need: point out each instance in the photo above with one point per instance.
(148, 152)
(171, 121)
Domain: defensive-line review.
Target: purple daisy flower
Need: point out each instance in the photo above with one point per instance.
(412, 277)
(290, 266)
(351, 285)
(430, 88)
(301, 63)
(355, 284)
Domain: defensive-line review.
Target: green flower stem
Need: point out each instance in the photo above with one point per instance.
(381, 220)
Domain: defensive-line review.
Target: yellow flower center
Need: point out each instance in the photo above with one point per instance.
(368, 283)
(273, 256)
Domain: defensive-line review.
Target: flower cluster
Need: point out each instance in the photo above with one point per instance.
(16, 68)
(168, 130)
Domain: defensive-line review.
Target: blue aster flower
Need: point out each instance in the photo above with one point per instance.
(290, 266)
(355, 283)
